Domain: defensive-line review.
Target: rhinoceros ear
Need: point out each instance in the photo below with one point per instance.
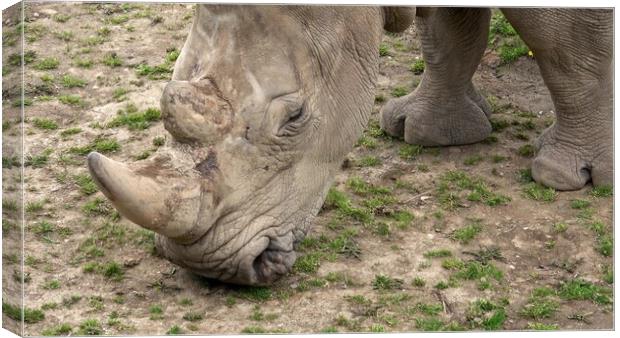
(397, 19)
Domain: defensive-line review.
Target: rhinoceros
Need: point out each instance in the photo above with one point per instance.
(266, 101)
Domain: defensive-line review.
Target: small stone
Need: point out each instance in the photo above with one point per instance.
(424, 198)
(131, 262)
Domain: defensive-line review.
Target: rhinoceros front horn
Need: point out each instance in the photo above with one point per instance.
(150, 197)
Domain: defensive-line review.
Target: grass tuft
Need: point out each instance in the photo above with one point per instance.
(384, 282)
(47, 64)
(539, 192)
(579, 289)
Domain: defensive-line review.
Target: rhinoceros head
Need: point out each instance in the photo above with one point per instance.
(264, 103)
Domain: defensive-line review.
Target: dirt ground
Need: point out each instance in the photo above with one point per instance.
(432, 253)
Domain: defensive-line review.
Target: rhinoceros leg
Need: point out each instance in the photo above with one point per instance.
(573, 48)
(445, 109)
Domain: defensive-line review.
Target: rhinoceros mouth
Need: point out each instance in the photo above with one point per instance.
(272, 264)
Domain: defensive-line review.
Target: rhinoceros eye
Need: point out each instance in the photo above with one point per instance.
(294, 117)
(292, 124)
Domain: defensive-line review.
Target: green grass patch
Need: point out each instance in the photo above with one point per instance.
(500, 26)
(579, 289)
(38, 160)
(542, 326)
(527, 150)
(52, 284)
(486, 314)
(254, 330)
(255, 293)
(44, 123)
(309, 263)
(134, 120)
(158, 72)
(64, 35)
(602, 191)
(363, 188)
(112, 60)
(367, 142)
(118, 19)
(429, 324)
(418, 282)
(120, 94)
(540, 305)
(605, 245)
(83, 63)
(384, 282)
(384, 50)
(22, 101)
(100, 144)
(497, 125)
(156, 312)
(159, 141)
(72, 100)
(512, 50)
(473, 270)
(538, 192)
(525, 176)
(560, 227)
(35, 206)
(338, 200)
(369, 161)
(70, 81)
(111, 270)
(410, 151)
(174, 329)
(30, 316)
(47, 64)
(440, 253)
(579, 204)
(453, 183)
(467, 233)
(417, 67)
(608, 274)
(70, 132)
(61, 17)
(399, 91)
(193, 316)
(402, 218)
(90, 327)
(63, 329)
(452, 264)
(97, 207)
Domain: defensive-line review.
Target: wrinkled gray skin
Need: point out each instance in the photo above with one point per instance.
(266, 101)
(573, 48)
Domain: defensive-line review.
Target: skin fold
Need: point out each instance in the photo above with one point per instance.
(266, 101)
